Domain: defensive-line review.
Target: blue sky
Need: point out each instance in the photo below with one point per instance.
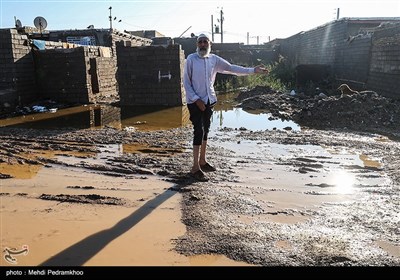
(261, 19)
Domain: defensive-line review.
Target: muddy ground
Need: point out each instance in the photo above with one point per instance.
(226, 215)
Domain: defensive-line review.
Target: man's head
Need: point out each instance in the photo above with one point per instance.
(203, 45)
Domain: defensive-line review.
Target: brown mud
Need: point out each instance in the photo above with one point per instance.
(271, 201)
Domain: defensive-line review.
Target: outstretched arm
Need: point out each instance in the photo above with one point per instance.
(225, 67)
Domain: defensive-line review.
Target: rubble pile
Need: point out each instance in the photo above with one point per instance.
(366, 111)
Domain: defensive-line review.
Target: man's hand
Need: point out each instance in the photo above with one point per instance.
(261, 69)
(200, 104)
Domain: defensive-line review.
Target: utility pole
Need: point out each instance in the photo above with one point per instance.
(212, 28)
(337, 13)
(248, 37)
(222, 24)
(110, 17)
(215, 28)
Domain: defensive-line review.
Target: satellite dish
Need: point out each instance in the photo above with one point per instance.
(40, 23)
(18, 23)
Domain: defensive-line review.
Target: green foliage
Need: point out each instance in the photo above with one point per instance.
(282, 73)
(280, 78)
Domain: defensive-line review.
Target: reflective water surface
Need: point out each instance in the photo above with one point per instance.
(226, 115)
(146, 117)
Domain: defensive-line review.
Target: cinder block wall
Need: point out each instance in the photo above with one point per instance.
(150, 75)
(352, 62)
(62, 75)
(384, 71)
(17, 79)
(103, 79)
(110, 116)
(76, 75)
(316, 46)
(362, 60)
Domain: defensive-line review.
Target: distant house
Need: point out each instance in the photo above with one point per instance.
(149, 34)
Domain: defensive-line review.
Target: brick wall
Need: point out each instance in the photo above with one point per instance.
(150, 75)
(103, 79)
(317, 46)
(62, 75)
(352, 62)
(363, 54)
(76, 75)
(384, 71)
(17, 79)
(110, 116)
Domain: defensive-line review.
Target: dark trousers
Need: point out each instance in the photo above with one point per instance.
(201, 121)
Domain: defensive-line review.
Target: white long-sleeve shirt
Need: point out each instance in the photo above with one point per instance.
(199, 76)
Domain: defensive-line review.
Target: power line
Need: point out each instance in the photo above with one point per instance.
(121, 21)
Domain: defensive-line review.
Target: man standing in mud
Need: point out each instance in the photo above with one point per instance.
(200, 72)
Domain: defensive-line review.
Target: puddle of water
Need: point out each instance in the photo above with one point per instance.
(369, 162)
(226, 114)
(316, 168)
(87, 116)
(28, 171)
(238, 118)
(146, 118)
(20, 171)
(339, 163)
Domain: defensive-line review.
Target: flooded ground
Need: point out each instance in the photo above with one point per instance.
(283, 194)
(325, 203)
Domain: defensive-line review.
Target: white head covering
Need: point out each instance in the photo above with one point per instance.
(203, 36)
